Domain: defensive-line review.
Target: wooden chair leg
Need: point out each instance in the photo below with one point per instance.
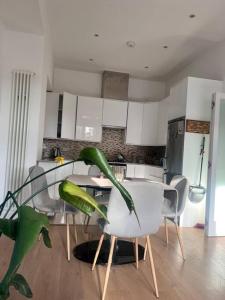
(97, 251)
(152, 266)
(87, 224)
(166, 231)
(75, 229)
(145, 253)
(68, 236)
(136, 252)
(180, 241)
(108, 266)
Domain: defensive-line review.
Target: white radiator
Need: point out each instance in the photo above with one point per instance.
(20, 98)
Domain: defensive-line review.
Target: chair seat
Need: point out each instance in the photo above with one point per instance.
(169, 208)
(51, 206)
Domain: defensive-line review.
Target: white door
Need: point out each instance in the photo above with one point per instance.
(150, 124)
(134, 123)
(89, 119)
(114, 113)
(69, 116)
(51, 115)
(215, 203)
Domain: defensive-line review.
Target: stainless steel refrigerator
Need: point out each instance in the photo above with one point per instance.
(174, 149)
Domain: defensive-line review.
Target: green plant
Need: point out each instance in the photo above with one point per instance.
(29, 224)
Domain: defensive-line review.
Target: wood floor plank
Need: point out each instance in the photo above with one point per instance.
(51, 276)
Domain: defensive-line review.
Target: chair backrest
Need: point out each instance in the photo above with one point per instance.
(148, 199)
(94, 171)
(42, 199)
(180, 183)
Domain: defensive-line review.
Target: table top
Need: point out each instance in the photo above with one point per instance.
(104, 183)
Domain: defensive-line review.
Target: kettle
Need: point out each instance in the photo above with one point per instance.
(56, 152)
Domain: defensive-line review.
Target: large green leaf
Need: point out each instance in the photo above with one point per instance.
(20, 284)
(78, 198)
(94, 156)
(8, 228)
(28, 227)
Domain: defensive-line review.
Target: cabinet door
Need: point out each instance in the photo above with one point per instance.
(134, 123)
(130, 171)
(68, 116)
(89, 119)
(150, 124)
(139, 171)
(163, 122)
(51, 115)
(80, 168)
(154, 173)
(114, 113)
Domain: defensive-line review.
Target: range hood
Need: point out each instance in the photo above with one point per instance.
(115, 85)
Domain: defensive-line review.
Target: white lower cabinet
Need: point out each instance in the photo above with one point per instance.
(153, 173)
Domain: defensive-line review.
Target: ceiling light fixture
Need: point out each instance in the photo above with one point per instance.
(91, 59)
(96, 35)
(165, 47)
(192, 16)
(147, 67)
(131, 44)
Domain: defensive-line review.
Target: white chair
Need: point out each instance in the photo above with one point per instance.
(148, 199)
(173, 206)
(101, 196)
(43, 203)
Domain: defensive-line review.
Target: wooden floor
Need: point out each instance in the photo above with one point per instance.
(50, 276)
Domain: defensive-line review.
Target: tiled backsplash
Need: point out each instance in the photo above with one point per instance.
(113, 143)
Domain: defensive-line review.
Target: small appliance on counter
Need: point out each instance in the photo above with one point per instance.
(55, 152)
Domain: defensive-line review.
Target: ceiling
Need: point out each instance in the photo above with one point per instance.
(21, 15)
(152, 24)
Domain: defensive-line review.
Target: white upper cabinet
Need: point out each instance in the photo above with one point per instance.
(114, 113)
(150, 124)
(142, 123)
(51, 115)
(89, 119)
(68, 116)
(134, 123)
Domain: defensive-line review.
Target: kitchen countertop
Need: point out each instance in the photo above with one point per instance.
(49, 160)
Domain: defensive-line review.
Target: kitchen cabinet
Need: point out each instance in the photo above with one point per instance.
(150, 124)
(142, 123)
(69, 108)
(51, 115)
(134, 123)
(154, 173)
(89, 119)
(114, 113)
(80, 168)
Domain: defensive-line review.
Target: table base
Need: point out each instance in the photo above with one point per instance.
(124, 252)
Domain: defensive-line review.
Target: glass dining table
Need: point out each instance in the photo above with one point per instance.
(124, 252)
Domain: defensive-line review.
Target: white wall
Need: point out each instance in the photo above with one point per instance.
(22, 51)
(210, 65)
(89, 84)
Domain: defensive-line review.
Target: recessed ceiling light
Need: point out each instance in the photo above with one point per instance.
(96, 35)
(131, 44)
(165, 47)
(192, 16)
(91, 59)
(147, 67)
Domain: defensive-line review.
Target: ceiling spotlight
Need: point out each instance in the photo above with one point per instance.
(147, 67)
(131, 44)
(192, 16)
(96, 35)
(91, 59)
(165, 47)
